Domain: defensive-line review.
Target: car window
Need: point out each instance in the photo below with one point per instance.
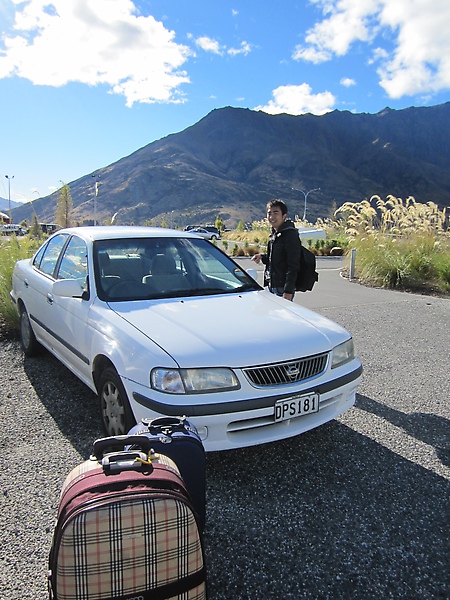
(138, 269)
(46, 259)
(73, 263)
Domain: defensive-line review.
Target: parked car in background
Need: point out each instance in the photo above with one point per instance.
(159, 322)
(7, 229)
(210, 228)
(205, 233)
(48, 227)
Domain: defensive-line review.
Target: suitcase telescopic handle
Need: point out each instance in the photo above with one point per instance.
(119, 442)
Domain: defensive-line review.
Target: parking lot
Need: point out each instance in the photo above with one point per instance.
(357, 509)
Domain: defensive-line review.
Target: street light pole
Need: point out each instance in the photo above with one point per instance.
(9, 196)
(306, 194)
(95, 198)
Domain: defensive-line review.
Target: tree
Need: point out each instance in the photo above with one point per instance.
(219, 224)
(64, 206)
(35, 230)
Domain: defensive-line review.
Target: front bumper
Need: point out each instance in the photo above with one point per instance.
(248, 422)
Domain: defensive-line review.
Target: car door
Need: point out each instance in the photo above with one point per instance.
(71, 330)
(38, 283)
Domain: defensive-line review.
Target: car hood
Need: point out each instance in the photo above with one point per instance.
(234, 330)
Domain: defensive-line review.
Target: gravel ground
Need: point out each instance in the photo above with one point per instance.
(357, 509)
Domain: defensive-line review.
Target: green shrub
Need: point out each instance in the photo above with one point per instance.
(252, 250)
(11, 251)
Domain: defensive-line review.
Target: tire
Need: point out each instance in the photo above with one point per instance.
(115, 407)
(30, 345)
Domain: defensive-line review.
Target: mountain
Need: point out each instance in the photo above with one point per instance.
(234, 160)
(4, 205)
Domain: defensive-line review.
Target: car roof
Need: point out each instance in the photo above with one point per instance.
(123, 231)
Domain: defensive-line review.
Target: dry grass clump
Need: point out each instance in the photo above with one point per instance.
(392, 216)
(414, 262)
(400, 244)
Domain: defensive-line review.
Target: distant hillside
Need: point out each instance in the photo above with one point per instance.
(233, 160)
(4, 205)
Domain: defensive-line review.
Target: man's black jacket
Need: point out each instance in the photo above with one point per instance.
(282, 259)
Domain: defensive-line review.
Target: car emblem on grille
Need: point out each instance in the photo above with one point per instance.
(292, 371)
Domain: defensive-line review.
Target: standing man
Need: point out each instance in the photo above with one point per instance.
(282, 259)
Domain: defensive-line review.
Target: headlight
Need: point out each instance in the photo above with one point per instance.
(165, 380)
(343, 353)
(193, 381)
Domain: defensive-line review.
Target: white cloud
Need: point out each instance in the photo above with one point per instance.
(298, 100)
(245, 48)
(95, 43)
(419, 62)
(208, 44)
(347, 82)
(311, 54)
(348, 21)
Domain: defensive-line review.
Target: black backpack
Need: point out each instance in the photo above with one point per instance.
(307, 274)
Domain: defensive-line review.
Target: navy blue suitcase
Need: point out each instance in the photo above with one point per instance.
(178, 439)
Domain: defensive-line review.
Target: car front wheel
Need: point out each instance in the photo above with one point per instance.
(30, 345)
(114, 405)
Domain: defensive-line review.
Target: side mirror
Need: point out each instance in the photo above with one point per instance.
(68, 288)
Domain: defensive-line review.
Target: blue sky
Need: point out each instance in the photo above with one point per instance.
(84, 83)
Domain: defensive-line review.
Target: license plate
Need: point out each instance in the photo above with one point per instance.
(296, 407)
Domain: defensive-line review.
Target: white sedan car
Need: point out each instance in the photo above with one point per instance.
(159, 322)
(205, 233)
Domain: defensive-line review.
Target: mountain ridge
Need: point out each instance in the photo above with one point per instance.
(233, 160)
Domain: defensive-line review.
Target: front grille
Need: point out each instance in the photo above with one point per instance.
(288, 372)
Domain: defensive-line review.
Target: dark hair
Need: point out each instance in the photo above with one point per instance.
(281, 205)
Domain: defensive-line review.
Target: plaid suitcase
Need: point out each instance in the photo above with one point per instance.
(126, 529)
(177, 438)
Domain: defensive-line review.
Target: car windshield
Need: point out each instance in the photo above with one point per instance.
(147, 268)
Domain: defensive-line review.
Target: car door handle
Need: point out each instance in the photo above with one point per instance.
(26, 284)
(50, 298)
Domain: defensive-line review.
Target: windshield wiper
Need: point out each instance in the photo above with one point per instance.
(201, 291)
(204, 291)
(246, 287)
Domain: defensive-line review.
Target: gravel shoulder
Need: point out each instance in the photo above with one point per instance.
(357, 509)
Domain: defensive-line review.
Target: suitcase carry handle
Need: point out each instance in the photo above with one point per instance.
(133, 460)
(164, 423)
(168, 425)
(119, 442)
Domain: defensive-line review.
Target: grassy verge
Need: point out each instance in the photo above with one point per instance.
(11, 250)
(416, 262)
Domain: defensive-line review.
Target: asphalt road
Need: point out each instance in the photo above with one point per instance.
(357, 509)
